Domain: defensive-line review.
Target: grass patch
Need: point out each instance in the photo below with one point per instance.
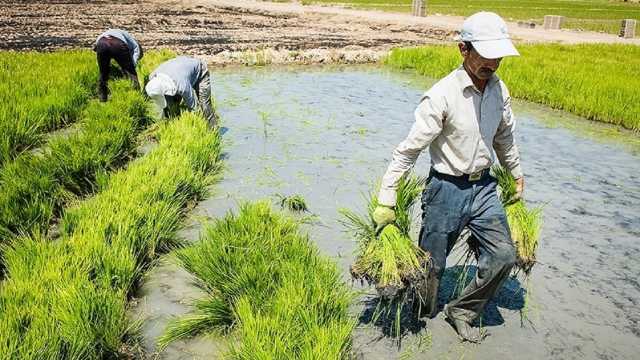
(593, 15)
(34, 188)
(66, 299)
(596, 81)
(40, 92)
(268, 289)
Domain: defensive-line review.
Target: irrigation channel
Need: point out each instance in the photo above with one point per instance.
(328, 133)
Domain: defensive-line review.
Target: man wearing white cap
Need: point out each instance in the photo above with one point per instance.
(182, 78)
(466, 121)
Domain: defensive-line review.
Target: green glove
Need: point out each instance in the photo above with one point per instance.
(383, 215)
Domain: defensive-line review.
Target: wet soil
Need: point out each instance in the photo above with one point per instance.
(201, 28)
(328, 134)
(243, 31)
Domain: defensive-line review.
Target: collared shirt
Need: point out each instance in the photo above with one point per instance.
(462, 127)
(125, 37)
(186, 72)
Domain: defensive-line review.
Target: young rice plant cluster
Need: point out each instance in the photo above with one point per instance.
(524, 223)
(35, 187)
(267, 287)
(66, 299)
(597, 81)
(41, 92)
(388, 257)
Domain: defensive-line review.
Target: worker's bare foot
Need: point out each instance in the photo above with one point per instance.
(463, 328)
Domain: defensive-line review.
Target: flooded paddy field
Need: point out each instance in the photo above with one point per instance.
(328, 133)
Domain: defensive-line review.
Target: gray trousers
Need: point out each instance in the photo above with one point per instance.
(449, 205)
(204, 96)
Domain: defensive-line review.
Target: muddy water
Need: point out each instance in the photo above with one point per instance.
(327, 134)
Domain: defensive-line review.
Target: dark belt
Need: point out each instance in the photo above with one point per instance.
(476, 176)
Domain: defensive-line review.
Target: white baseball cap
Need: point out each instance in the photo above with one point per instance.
(488, 34)
(160, 86)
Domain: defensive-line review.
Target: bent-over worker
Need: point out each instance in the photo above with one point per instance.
(119, 45)
(182, 78)
(465, 119)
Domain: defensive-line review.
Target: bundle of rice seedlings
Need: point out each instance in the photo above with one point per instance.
(388, 259)
(295, 203)
(524, 223)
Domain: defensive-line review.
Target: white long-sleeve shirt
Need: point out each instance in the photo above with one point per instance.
(463, 129)
(125, 37)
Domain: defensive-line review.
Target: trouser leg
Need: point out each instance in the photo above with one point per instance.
(443, 206)
(204, 97)
(122, 55)
(496, 252)
(104, 59)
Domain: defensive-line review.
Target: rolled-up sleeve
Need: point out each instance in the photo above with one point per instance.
(504, 142)
(428, 125)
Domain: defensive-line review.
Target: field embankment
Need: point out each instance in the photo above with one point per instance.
(37, 185)
(67, 298)
(591, 15)
(598, 82)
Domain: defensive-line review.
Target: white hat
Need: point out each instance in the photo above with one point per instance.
(160, 86)
(488, 34)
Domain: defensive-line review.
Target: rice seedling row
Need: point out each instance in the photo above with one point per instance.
(41, 92)
(66, 299)
(574, 78)
(268, 289)
(34, 188)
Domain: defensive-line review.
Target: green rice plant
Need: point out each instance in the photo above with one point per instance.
(41, 92)
(35, 187)
(574, 78)
(295, 203)
(389, 259)
(525, 229)
(151, 60)
(506, 184)
(268, 289)
(524, 223)
(67, 299)
(264, 118)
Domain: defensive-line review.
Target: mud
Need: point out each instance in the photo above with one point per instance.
(218, 31)
(328, 133)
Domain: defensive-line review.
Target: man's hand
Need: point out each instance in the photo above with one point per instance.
(519, 187)
(383, 215)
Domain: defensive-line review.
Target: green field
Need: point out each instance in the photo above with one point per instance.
(36, 185)
(596, 15)
(64, 292)
(34, 103)
(598, 82)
